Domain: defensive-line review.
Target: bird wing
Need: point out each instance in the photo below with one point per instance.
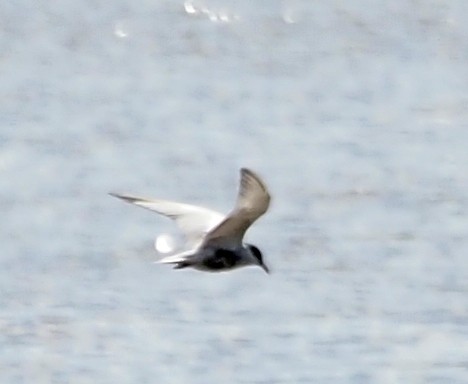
(252, 202)
(194, 221)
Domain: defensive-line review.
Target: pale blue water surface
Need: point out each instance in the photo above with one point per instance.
(356, 115)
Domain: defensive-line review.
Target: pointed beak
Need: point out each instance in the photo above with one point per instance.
(265, 268)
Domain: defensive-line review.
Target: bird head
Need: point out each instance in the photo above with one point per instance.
(257, 254)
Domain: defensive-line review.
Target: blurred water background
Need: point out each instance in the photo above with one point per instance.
(356, 115)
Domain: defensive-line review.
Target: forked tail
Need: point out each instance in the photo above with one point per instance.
(181, 260)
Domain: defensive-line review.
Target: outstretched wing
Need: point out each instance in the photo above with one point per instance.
(194, 221)
(253, 201)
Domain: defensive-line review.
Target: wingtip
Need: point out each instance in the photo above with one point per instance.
(128, 199)
(247, 172)
(117, 195)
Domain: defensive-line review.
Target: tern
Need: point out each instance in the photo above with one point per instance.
(215, 240)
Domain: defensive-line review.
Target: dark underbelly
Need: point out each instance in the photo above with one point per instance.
(222, 259)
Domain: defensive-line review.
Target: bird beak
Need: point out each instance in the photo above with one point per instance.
(265, 268)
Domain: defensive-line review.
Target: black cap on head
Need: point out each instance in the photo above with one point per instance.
(258, 255)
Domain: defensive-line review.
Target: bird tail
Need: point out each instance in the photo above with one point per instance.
(181, 260)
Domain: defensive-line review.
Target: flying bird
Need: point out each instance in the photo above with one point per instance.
(215, 241)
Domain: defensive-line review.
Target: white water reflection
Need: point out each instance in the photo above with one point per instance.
(165, 243)
(121, 29)
(215, 15)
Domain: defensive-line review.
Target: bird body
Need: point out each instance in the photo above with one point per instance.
(215, 241)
